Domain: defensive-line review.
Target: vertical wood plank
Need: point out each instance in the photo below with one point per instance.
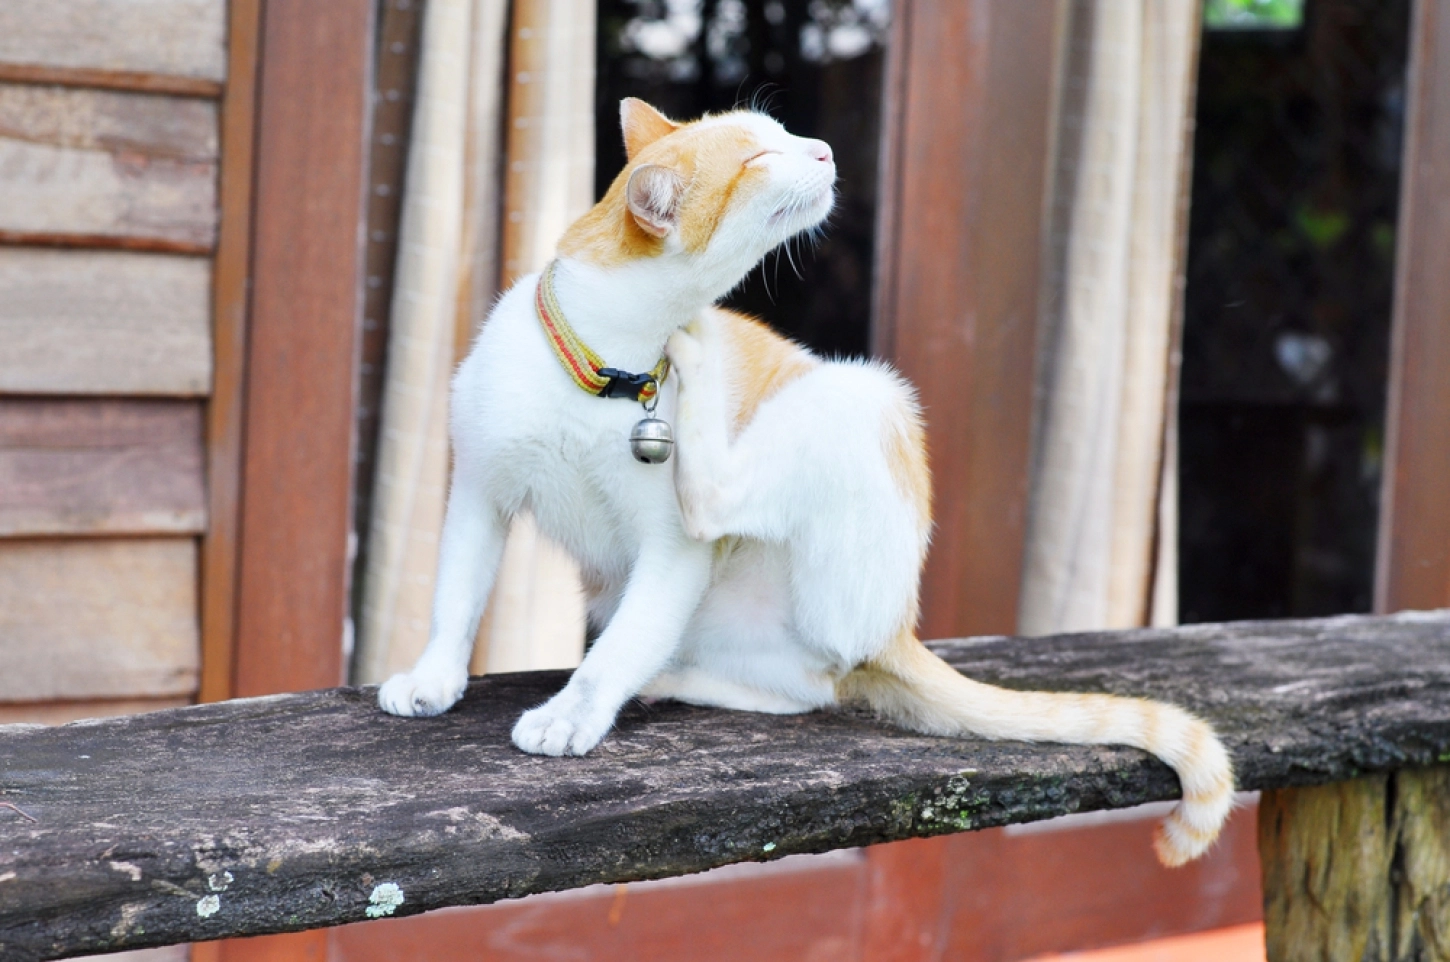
(905, 902)
(1413, 566)
(226, 410)
(1358, 869)
(306, 271)
(960, 254)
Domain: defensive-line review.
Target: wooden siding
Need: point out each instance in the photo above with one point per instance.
(74, 467)
(104, 322)
(107, 169)
(88, 619)
(126, 39)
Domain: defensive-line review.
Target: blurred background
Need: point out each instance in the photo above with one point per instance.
(1161, 270)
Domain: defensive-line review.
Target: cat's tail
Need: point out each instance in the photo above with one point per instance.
(917, 690)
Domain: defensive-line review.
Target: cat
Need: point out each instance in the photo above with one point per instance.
(775, 566)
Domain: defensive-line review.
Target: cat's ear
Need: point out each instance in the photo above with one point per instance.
(653, 193)
(642, 125)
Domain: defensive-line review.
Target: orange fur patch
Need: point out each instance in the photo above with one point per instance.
(761, 362)
(905, 441)
(710, 161)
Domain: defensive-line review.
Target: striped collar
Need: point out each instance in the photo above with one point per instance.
(582, 364)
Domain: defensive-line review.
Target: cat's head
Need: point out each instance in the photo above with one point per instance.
(711, 197)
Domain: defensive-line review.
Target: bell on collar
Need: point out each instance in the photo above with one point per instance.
(651, 441)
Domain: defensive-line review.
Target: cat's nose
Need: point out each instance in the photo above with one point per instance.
(819, 150)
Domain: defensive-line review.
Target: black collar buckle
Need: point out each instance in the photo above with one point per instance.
(624, 384)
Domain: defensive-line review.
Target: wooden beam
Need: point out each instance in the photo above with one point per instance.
(958, 275)
(302, 811)
(1361, 869)
(307, 273)
(1414, 544)
(84, 467)
(226, 412)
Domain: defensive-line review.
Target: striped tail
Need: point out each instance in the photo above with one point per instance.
(917, 690)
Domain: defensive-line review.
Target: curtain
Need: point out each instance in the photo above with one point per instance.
(1101, 543)
(536, 616)
(455, 252)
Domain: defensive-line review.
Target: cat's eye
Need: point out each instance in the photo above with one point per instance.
(752, 159)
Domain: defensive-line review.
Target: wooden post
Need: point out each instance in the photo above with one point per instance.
(1361, 869)
(1358, 870)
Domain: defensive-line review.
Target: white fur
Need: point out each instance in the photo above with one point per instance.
(767, 622)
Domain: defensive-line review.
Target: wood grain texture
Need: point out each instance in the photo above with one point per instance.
(1359, 869)
(100, 467)
(107, 168)
(182, 38)
(104, 322)
(311, 801)
(226, 414)
(97, 619)
(306, 275)
(1413, 566)
(959, 266)
(149, 127)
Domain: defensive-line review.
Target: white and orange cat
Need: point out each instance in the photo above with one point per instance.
(776, 567)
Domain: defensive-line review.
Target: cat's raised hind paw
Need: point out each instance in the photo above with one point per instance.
(686, 354)
(420, 693)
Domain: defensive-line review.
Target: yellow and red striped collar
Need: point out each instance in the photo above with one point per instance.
(583, 365)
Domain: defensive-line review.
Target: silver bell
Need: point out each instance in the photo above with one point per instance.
(651, 441)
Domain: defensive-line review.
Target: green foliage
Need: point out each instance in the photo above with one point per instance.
(1251, 14)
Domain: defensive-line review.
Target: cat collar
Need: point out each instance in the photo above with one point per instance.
(583, 365)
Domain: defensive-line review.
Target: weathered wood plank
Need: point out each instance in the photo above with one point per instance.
(101, 467)
(1359, 869)
(104, 322)
(100, 166)
(183, 38)
(291, 812)
(113, 618)
(153, 127)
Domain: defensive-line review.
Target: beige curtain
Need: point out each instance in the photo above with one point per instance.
(449, 270)
(1101, 548)
(536, 616)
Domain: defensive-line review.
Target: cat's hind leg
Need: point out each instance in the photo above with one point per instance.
(829, 466)
(695, 686)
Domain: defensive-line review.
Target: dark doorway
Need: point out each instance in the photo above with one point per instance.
(1290, 281)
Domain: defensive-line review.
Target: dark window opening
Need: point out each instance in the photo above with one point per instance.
(817, 68)
(1286, 338)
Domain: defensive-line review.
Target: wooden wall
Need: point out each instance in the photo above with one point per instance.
(110, 147)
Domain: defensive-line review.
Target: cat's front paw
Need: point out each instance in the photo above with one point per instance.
(420, 693)
(564, 725)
